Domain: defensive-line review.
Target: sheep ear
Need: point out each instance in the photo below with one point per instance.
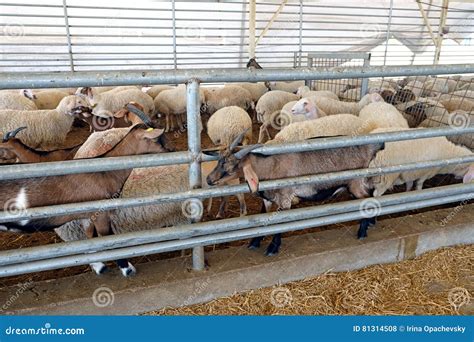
(251, 178)
(29, 94)
(121, 113)
(152, 133)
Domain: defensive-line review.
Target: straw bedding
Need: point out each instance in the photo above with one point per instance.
(414, 287)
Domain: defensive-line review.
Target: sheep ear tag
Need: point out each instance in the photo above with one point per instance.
(152, 133)
(251, 178)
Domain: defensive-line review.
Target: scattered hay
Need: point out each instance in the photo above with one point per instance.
(413, 287)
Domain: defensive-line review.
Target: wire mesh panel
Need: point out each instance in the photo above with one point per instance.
(347, 89)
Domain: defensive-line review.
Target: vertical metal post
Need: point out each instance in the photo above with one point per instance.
(252, 19)
(173, 14)
(365, 81)
(193, 106)
(310, 65)
(68, 35)
(442, 22)
(300, 52)
(389, 26)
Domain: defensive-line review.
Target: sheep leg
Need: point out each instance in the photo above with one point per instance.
(222, 207)
(103, 227)
(409, 185)
(243, 205)
(89, 230)
(179, 121)
(263, 129)
(255, 242)
(363, 225)
(419, 184)
(274, 246)
(167, 126)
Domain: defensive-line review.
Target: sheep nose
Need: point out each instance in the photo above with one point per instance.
(209, 181)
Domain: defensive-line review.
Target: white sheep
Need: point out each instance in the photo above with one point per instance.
(332, 125)
(290, 87)
(456, 103)
(110, 102)
(171, 104)
(17, 100)
(155, 90)
(45, 128)
(227, 123)
(48, 98)
(269, 107)
(256, 90)
(146, 182)
(220, 97)
(458, 118)
(330, 106)
(383, 115)
(304, 91)
(415, 151)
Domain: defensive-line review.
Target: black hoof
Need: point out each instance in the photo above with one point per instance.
(272, 250)
(103, 270)
(255, 243)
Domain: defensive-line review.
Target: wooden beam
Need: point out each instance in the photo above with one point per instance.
(275, 15)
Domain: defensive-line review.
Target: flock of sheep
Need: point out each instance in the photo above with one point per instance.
(36, 123)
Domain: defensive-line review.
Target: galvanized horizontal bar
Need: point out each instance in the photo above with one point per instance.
(167, 246)
(91, 165)
(83, 207)
(204, 228)
(18, 171)
(79, 79)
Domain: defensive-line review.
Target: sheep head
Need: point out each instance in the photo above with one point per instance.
(74, 105)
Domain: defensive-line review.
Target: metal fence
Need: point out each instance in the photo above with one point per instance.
(197, 235)
(84, 35)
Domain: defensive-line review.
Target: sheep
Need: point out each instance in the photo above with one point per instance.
(435, 86)
(383, 115)
(290, 87)
(415, 151)
(30, 193)
(456, 103)
(227, 123)
(17, 100)
(172, 104)
(110, 102)
(458, 118)
(304, 91)
(330, 106)
(130, 115)
(13, 151)
(338, 124)
(254, 167)
(338, 86)
(217, 98)
(146, 182)
(306, 108)
(48, 98)
(256, 90)
(46, 128)
(269, 106)
(100, 90)
(418, 110)
(155, 90)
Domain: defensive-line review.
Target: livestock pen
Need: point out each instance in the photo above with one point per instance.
(61, 45)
